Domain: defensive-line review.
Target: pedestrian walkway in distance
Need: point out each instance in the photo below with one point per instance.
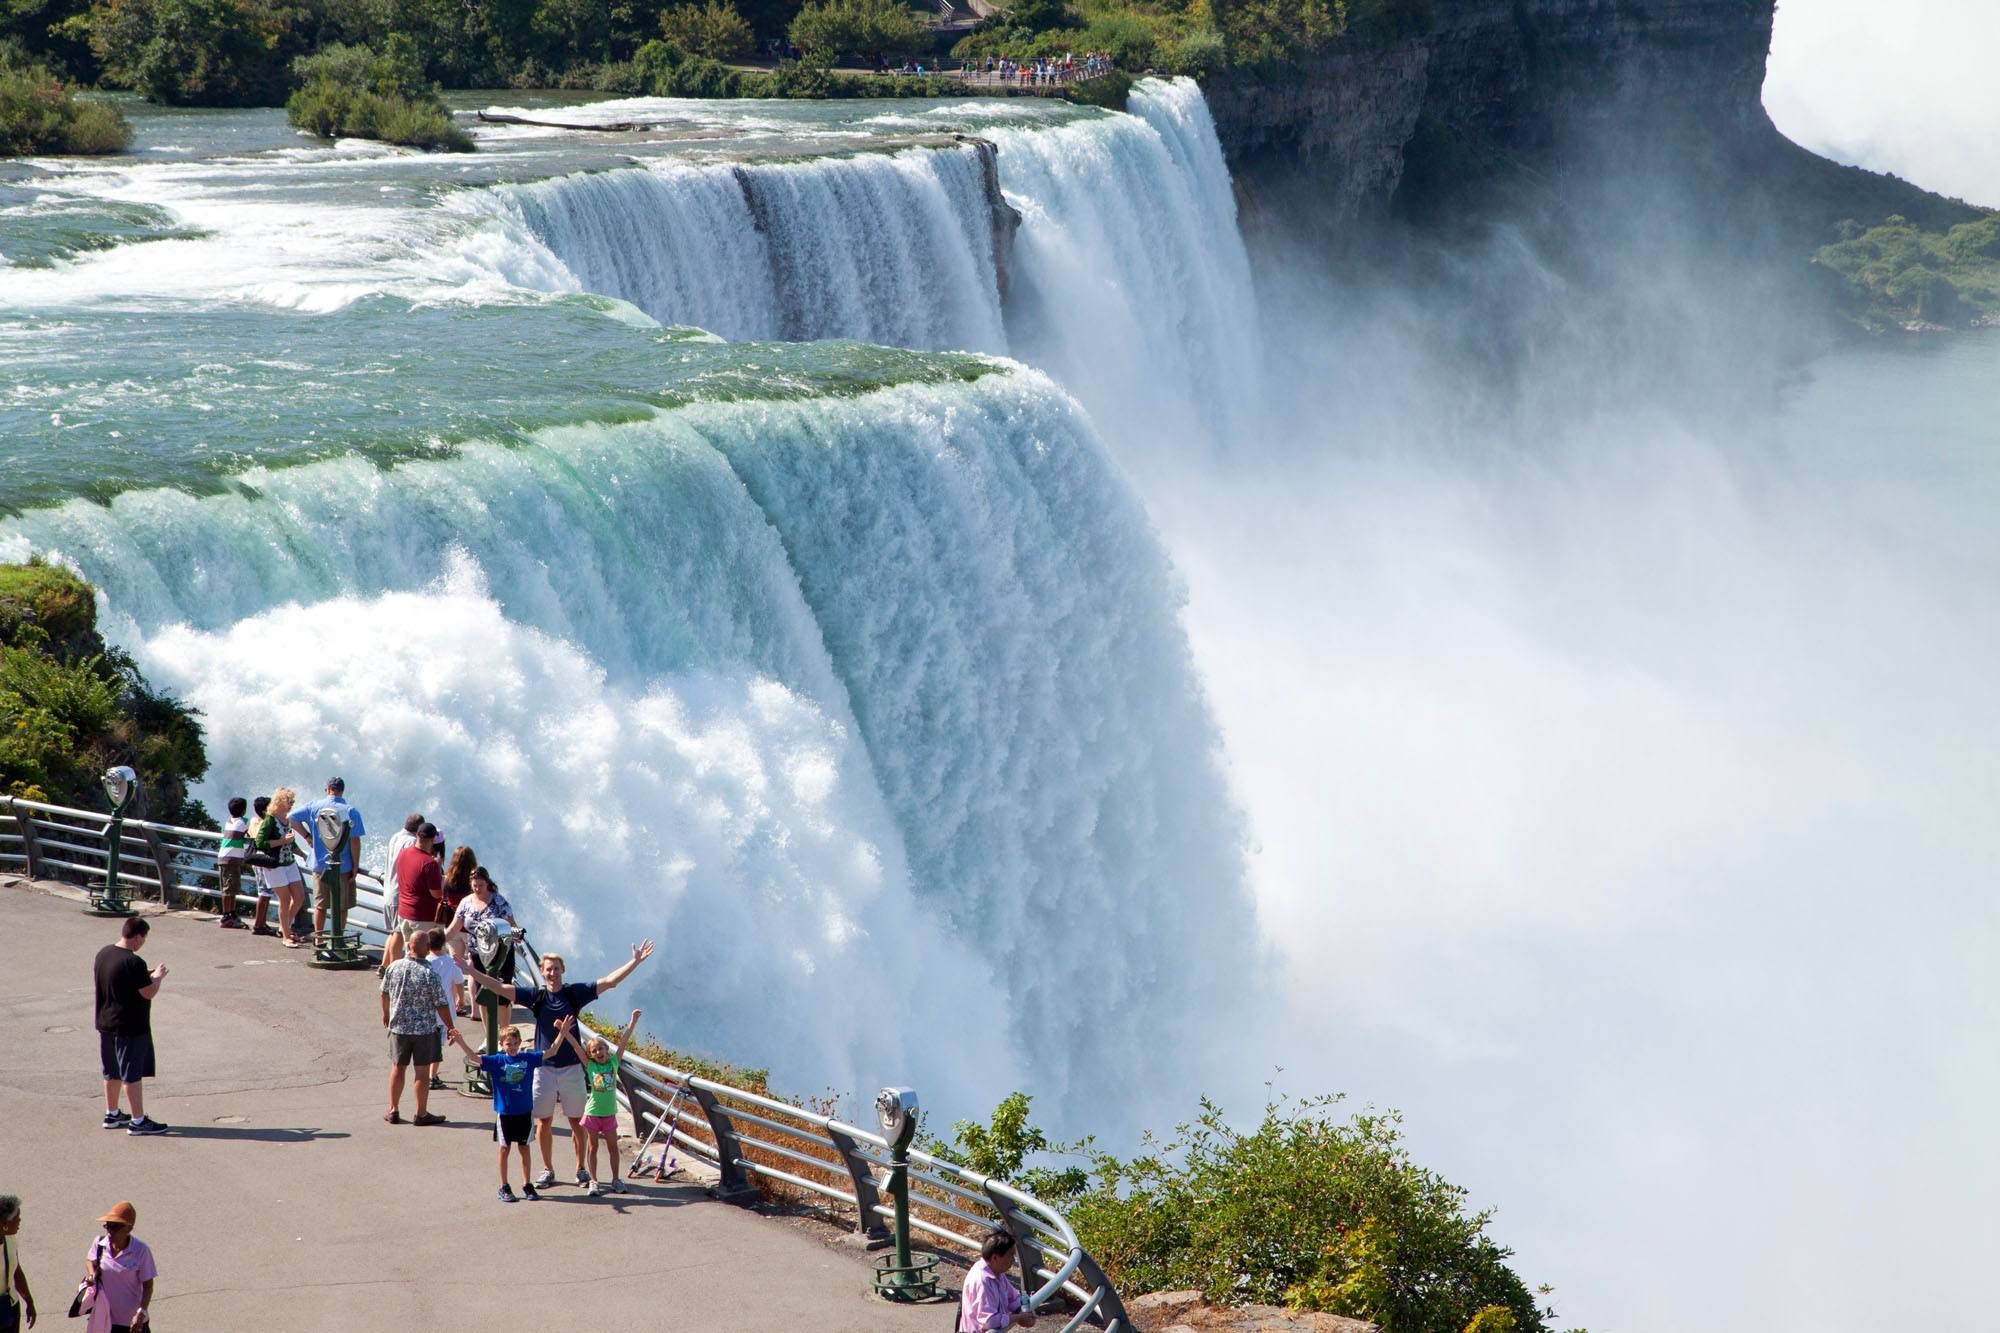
(281, 1200)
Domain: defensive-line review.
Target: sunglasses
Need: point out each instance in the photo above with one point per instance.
(116, 1226)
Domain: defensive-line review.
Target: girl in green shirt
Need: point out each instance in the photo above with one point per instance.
(600, 1100)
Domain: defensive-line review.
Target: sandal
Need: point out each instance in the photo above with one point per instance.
(292, 944)
(394, 1117)
(427, 1118)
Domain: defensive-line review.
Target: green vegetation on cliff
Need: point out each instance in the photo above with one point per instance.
(1309, 1209)
(70, 707)
(39, 114)
(1898, 275)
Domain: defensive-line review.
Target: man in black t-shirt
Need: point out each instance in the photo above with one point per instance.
(125, 990)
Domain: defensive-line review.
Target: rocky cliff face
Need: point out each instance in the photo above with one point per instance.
(1515, 77)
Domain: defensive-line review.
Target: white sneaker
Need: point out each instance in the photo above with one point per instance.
(594, 1190)
(544, 1180)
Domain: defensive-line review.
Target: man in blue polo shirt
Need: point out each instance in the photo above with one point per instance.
(307, 816)
(559, 1081)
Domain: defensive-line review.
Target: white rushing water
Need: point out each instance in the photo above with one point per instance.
(853, 701)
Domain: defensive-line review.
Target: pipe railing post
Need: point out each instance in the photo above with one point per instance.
(31, 848)
(1023, 1231)
(735, 1184)
(861, 1171)
(163, 861)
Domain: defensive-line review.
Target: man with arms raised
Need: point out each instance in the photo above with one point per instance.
(559, 1081)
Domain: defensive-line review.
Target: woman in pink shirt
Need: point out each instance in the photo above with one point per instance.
(989, 1299)
(121, 1267)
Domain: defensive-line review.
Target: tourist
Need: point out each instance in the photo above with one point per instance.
(511, 1072)
(600, 1101)
(485, 901)
(271, 851)
(15, 1298)
(399, 841)
(350, 854)
(125, 991)
(989, 1300)
(229, 860)
(121, 1268)
(414, 1014)
(457, 888)
(419, 887)
(559, 1082)
(452, 980)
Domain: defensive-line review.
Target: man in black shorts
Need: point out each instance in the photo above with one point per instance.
(125, 990)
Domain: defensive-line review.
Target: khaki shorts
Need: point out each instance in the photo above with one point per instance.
(415, 1048)
(409, 929)
(559, 1086)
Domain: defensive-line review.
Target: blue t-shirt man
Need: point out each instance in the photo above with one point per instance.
(308, 817)
(550, 1008)
(513, 1082)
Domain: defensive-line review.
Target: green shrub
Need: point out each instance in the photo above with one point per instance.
(716, 30)
(353, 92)
(1110, 91)
(1277, 33)
(1896, 273)
(1307, 1209)
(669, 71)
(70, 707)
(39, 114)
(827, 30)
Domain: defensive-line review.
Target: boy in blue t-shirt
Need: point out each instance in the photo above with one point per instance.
(512, 1073)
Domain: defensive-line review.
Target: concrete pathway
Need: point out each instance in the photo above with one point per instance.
(282, 1202)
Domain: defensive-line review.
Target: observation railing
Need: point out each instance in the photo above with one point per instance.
(740, 1134)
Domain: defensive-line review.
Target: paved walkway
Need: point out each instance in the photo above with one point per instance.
(281, 1201)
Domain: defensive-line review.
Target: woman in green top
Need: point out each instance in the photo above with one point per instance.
(600, 1100)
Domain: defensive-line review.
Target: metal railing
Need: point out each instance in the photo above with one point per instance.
(747, 1134)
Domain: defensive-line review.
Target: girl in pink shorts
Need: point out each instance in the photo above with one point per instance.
(600, 1102)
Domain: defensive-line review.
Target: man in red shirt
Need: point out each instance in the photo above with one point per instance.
(419, 887)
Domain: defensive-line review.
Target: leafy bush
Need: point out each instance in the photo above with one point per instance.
(668, 71)
(716, 30)
(1896, 273)
(1276, 33)
(73, 708)
(827, 30)
(1308, 1209)
(351, 92)
(198, 52)
(39, 114)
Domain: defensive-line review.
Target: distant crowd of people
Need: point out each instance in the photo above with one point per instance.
(1041, 70)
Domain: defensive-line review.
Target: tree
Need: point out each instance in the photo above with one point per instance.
(830, 29)
(716, 30)
(199, 52)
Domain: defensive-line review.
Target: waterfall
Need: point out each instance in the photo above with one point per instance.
(858, 703)
(894, 248)
(1127, 280)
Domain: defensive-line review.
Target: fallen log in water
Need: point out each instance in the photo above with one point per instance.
(617, 127)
